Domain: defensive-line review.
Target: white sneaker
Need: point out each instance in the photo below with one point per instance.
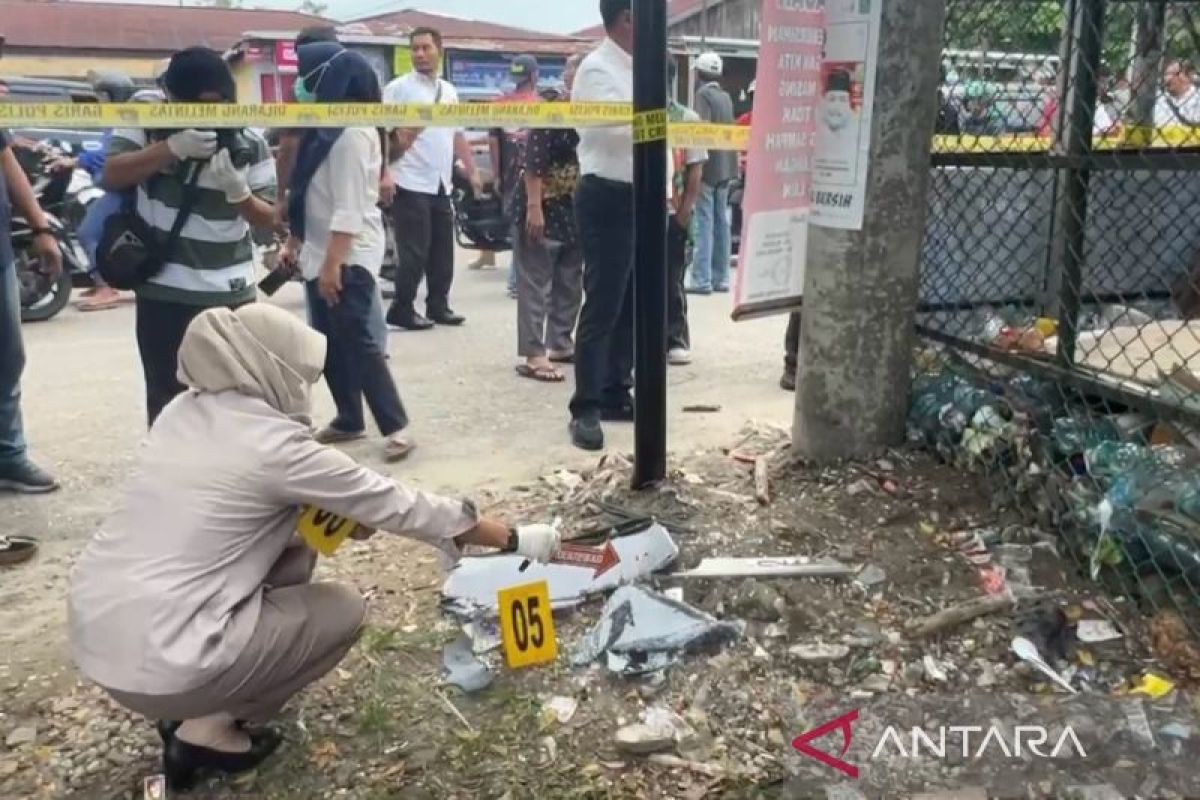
(678, 356)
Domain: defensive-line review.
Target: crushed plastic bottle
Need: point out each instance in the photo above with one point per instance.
(1074, 436)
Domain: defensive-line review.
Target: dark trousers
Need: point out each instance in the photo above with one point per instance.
(791, 343)
(424, 229)
(354, 364)
(160, 329)
(678, 335)
(604, 339)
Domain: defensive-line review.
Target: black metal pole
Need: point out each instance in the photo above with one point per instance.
(1086, 24)
(650, 241)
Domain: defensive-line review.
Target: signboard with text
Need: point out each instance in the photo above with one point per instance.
(809, 143)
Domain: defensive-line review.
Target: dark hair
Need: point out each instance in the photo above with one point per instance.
(424, 30)
(1182, 64)
(197, 71)
(611, 9)
(316, 33)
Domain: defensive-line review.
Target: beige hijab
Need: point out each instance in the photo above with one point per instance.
(258, 350)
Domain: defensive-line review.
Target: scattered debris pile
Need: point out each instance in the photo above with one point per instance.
(761, 599)
(1121, 490)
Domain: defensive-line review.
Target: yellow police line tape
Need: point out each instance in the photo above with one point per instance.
(648, 126)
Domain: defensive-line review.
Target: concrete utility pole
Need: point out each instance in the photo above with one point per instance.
(860, 289)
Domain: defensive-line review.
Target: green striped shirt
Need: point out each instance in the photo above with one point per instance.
(212, 262)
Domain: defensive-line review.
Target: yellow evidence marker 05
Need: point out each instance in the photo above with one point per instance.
(324, 531)
(526, 625)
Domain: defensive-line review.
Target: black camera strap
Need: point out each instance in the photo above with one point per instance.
(187, 202)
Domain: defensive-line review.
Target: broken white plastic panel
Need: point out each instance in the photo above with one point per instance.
(474, 583)
(642, 631)
(782, 567)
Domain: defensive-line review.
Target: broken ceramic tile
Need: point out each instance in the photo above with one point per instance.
(642, 631)
(475, 582)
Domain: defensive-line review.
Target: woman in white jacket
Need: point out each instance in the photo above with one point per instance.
(193, 602)
(338, 239)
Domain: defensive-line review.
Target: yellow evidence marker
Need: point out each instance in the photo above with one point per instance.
(324, 531)
(526, 625)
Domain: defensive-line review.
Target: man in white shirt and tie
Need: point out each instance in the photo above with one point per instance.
(604, 207)
(423, 161)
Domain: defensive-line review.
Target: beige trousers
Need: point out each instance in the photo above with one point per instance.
(303, 631)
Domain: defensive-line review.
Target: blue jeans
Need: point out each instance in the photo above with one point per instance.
(12, 363)
(710, 265)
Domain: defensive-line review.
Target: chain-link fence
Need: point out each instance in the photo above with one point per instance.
(1061, 278)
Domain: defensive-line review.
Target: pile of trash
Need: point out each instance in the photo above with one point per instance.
(1122, 490)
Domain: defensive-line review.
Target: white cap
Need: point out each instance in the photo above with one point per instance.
(710, 63)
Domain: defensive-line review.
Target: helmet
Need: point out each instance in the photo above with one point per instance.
(116, 85)
(710, 63)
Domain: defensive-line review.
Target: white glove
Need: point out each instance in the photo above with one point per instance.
(538, 542)
(200, 145)
(228, 178)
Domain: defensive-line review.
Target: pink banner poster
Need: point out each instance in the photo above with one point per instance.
(779, 170)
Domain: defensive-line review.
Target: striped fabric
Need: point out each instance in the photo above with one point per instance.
(212, 263)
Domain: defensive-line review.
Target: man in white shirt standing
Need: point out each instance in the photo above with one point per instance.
(604, 207)
(1179, 104)
(423, 161)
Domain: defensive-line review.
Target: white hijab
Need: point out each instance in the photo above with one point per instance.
(258, 350)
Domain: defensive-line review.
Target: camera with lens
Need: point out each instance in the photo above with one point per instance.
(240, 147)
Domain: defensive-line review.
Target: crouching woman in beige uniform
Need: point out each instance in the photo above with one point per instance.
(193, 602)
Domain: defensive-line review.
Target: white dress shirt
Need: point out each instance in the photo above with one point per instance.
(427, 166)
(606, 76)
(344, 198)
(1178, 110)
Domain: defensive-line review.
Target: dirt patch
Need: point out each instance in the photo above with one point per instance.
(385, 725)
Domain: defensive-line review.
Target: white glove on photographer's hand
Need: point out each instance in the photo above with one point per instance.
(199, 145)
(228, 178)
(538, 542)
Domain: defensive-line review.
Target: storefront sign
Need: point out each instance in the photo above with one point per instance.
(285, 55)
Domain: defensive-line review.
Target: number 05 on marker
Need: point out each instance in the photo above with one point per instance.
(526, 625)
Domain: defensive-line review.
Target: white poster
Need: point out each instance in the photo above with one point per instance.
(839, 179)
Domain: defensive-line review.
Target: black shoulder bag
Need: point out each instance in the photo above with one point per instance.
(130, 253)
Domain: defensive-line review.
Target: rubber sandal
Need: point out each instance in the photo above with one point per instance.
(540, 374)
(16, 550)
(397, 450)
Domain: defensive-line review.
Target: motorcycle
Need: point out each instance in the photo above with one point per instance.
(64, 196)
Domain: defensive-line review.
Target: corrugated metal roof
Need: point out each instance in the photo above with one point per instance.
(450, 27)
(128, 26)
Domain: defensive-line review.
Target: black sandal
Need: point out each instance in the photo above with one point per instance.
(16, 550)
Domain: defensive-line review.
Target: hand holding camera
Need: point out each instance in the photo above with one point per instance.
(193, 144)
(229, 178)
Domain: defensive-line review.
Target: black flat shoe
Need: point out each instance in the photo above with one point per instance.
(184, 764)
(409, 322)
(448, 318)
(586, 434)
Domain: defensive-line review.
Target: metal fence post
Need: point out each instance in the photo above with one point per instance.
(1086, 22)
(860, 291)
(650, 241)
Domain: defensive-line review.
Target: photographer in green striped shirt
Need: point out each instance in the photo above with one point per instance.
(231, 177)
